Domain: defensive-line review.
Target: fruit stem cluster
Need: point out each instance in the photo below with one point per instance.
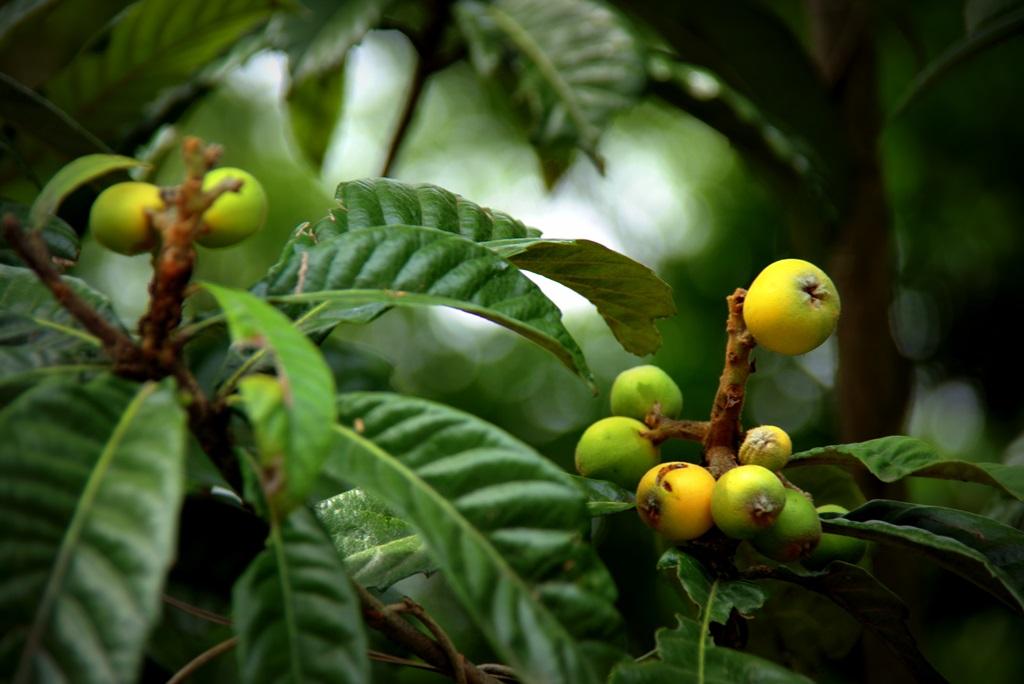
(725, 430)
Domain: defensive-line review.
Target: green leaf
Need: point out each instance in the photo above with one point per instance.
(827, 484)
(314, 108)
(378, 549)
(857, 592)
(731, 40)
(36, 331)
(574, 64)
(60, 238)
(413, 266)
(72, 176)
(34, 114)
(318, 38)
(977, 548)
(627, 294)
(712, 594)
(306, 379)
(91, 481)
(996, 29)
(39, 37)
(977, 13)
(893, 458)
(603, 497)
(154, 45)
(296, 615)
(688, 655)
(503, 523)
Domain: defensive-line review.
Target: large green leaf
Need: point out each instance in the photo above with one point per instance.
(988, 29)
(574, 64)
(91, 481)
(378, 549)
(296, 615)
(503, 524)
(307, 383)
(60, 238)
(627, 294)
(31, 112)
(856, 591)
(893, 458)
(72, 176)
(154, 45)
(688, 655)
(39, 37)
(36, 331)
(731, 40)
(414, 266)
(977, 548)
(715, 597)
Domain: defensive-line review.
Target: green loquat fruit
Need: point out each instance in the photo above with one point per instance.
(796, 532)
(234, 216)
(835, 546)
(616, 449)
(746, 500)
(118, 218)
(636, 391)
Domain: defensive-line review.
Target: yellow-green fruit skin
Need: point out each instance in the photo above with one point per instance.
(791, 307)
(615, 449)
(234, 216)
(766, 445)
(795, 534)
(118, 218)
(746, 500)
(835, 547)
(636, 390)
(674, 499)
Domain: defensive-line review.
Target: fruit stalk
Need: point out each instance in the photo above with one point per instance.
(724, 431)
(173, 264)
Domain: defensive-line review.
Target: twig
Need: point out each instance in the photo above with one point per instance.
(196, 611)
(457, 660)
(201, 659)
(33, 251)
(724, 431)
(426, 64)
(667, 428)
(401, 632)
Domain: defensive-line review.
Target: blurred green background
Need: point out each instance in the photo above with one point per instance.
(678, 196)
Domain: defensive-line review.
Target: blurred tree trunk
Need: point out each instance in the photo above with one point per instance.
(873, 383)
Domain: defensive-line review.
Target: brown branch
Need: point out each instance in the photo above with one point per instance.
(30, 246)
(389, 622)
(724, 432)
(664, 429)
(196, 611)
(427, 63)
(203, 658)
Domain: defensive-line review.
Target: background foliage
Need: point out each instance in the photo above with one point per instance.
(701, 140)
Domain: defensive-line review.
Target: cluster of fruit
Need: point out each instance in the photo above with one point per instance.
(791, 308)
(121, 217)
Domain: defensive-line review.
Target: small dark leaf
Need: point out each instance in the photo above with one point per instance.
(31, 112)
(688, 655)
(627, 294)
(855, 590)
(60, 238)
(893, 458)
(36, 332)
(712, 594)
(378, 549)
(977, 548)
(603, 497)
